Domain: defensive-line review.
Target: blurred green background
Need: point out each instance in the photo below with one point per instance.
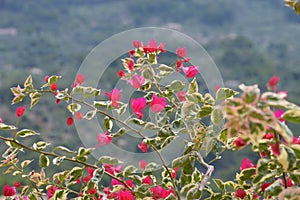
(250, 41)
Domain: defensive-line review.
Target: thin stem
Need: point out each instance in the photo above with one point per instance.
(66, 158)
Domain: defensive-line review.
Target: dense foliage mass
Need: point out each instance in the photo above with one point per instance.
(254, 118)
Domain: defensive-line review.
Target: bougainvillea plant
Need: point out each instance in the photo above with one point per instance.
(252, 118)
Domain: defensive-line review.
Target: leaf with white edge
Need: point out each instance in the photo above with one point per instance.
(108, 160)
(165, 70)
(285, 132)
(98, 174)
(120, 132)
(217, 116)
(44, 161)
(58, 160)
(274, 189)
(75, 173)
(18, 99)
(209, 99)
(205, 111)
(90, 114)
(220, 184)
(35, 97)
(90, 92)
(6, 127)
(194, 193)
(277, 100)
(137, 121)
(9, 170)
(74, 107)
(51, 79)
(150, 126)
(176, 86)
(25, 163)
(129, 170)
(62, 148)
(147, 73)
(287, 158)
(25, 133)
(225, 93)
(28, 82)
(195, 97)
(108, 124)
(102, 103)
(40, 145)
(10, 152)
(150, 168)
(193, 86)
(60, 194)
(292, 115)
(122, 108)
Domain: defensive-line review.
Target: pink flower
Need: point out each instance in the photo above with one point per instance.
(179, 65)
(143, 146)
(20, 111)
(130, 64)
(125, 195)
(147, 180)
(9, 191)
(78, 115)
(79, 80)
(217, 87)
(129, 183)
(53, 86)
(246, 163)
(1, 120)
(142, 164)
(137, 43)
(90, 171)
(240, 142)
(283, 94)
(115, 96)
(275, 149)
(137, 106)
(111, 169)
(190, 71)
(92, 191)
(137, 81)
(296, 140)
(104, 139)
(273, 82)
(240, 193)
(70, 121)
(152, 47)
(279, 114)
(264, 186)
(46, 78)
(157, 104)
(17, 184)
(181, 96)
(131, 53)
(181, 52)
(87, 179)
(269, 136)
(51, 191)
(121, 73)
(159, 192)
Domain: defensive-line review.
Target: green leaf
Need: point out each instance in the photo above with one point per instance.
(75, 173)
(74, 107)
(195, 97)
(150, 126)
(18, 99)
(287, 158)
(247, 174)
(274, 189)
(165, 70)
(209, 99)
(205, 111)
(176, 86)
(90, 114)
(44, 161)
(108, 160)
(6, 127)
(129, 170)
(108, 124)
(26, 132)
(285, 132)
(225, 93)
(137, 121)
(277, 100)
(101, 103)
(292, 115)
(194, 193)
(193, 86)
(250, 93)
(88, 91)
(217, 116)
(147, 73)
(120, 132)
(98, 174)
(220, 184)
(34, 97)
